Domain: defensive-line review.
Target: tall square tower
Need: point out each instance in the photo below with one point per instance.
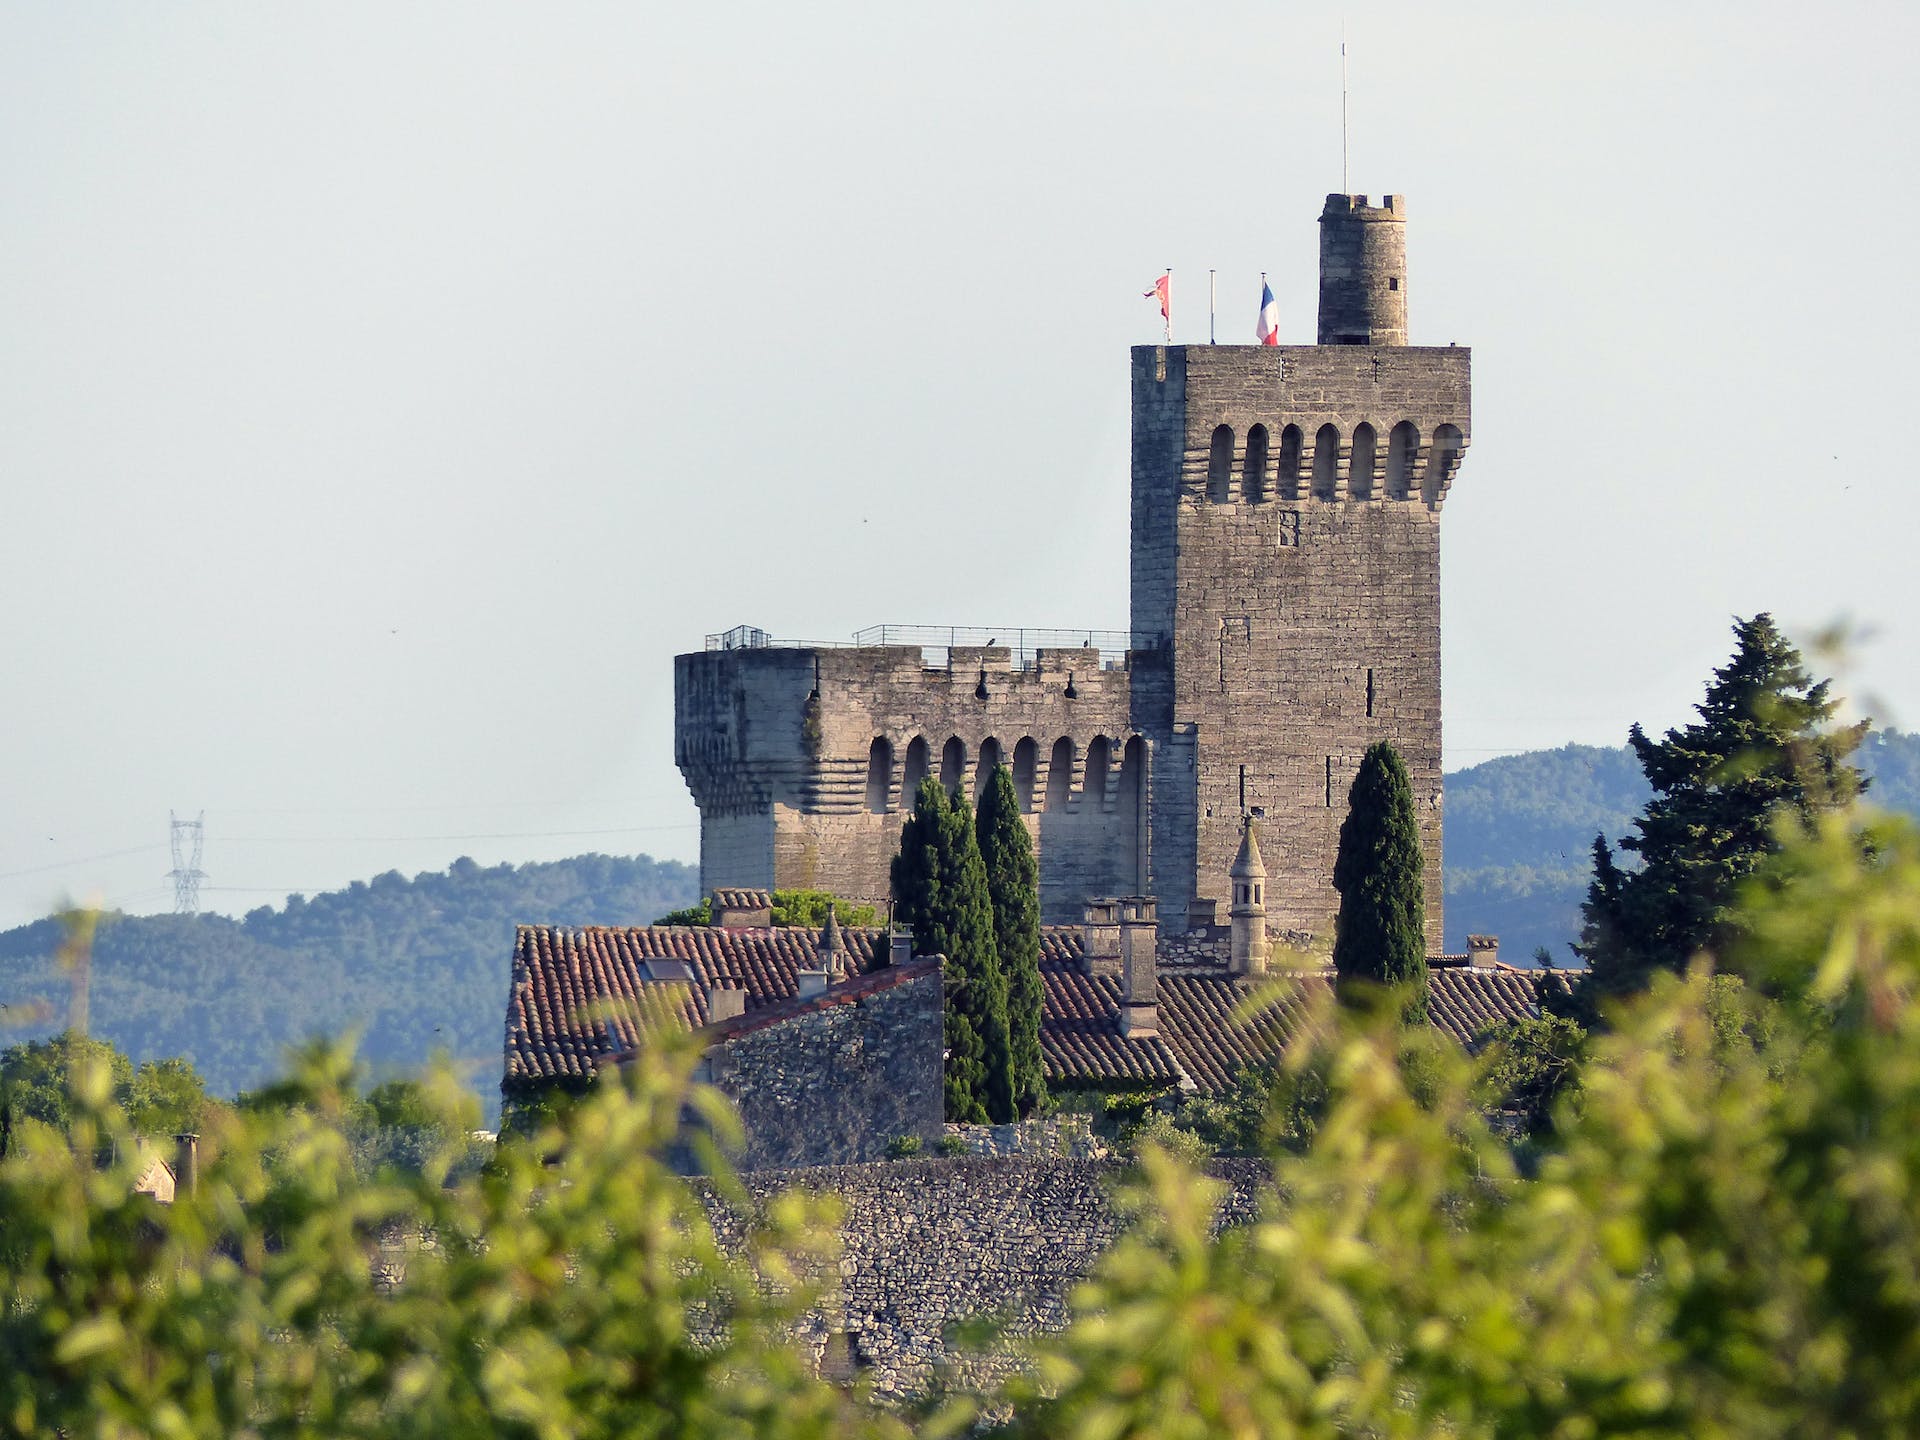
(1286, 552)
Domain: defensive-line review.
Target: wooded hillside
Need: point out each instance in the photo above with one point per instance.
(414, 966)
(1519, 834)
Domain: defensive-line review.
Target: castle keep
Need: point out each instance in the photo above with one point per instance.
(1285, 577)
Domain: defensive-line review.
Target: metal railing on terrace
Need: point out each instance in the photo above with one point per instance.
(937, 642)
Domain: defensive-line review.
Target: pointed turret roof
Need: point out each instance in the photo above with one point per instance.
(832, 950)
(1246, 865)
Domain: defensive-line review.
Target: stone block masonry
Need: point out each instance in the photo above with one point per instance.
(804, 761)
(1286, 506)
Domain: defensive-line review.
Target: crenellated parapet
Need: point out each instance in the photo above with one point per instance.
(1294, 425)
(804, 759)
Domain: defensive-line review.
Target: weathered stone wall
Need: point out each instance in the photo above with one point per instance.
(1297, 574)
(777, 746)
(930, 1243)
(836, 1085)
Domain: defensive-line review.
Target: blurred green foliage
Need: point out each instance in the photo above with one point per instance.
(1723, 1240)
(571, 1290)
(1719, 1238)
(161, 1097)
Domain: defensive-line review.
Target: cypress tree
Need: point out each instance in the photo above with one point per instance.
(1380, 935)
(1013, 888)
(940, 892)
(1762, 748)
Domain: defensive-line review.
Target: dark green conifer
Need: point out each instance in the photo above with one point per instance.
(1762, 748)
(940, 893)
(1013, 888)
(1380, 935)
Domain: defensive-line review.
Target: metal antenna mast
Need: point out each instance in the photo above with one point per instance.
(189, 838)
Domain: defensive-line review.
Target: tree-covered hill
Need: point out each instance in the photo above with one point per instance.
(1519, 834)
(414, 966)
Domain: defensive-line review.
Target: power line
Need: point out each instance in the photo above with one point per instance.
(80, 860)
(486, 835)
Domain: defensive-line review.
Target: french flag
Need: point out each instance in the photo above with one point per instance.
(1268, 330)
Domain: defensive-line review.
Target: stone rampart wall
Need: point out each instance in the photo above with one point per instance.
(779, 748)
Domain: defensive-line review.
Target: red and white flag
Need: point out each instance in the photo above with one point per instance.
(1163, 291)
(1268, 330)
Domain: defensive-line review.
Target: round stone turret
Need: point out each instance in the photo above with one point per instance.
(1363, 271)
(1248, 917)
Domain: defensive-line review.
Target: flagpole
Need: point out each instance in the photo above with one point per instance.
(1346, 185)
(1213, 298)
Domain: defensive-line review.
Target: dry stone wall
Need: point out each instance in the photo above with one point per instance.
(839, 1084)
(929, 1244)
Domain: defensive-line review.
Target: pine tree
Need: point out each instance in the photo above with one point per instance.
(940, 892)
(1013, 888)
(1762, 748)
(1380, 935)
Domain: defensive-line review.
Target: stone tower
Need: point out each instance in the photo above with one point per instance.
(1286, 551)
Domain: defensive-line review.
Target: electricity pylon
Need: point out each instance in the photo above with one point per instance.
(186, 873)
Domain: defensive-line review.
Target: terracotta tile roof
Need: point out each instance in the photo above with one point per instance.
(583, 995)
(743, 899)
(1465, 1002)
(1080, 1037)
(1217, 1024)
(1206, 1020)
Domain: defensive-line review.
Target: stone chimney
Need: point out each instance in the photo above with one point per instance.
(899, 947)
(831, 952)
(1248, 917)
(1139, 971)
(186, 1164)
(812, 982)
(736, 909)
(1483, 950)
(1100, 938)
(726, 999)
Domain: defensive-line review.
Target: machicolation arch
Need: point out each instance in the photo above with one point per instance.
(1253, 471)
(879, 774)
(1220, 465)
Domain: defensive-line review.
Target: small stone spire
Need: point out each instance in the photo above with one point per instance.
(832, 950)
(1247, 865)
(1248, 917)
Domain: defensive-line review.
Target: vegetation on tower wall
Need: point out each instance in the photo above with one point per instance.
(1380, 933)
(1013, 888)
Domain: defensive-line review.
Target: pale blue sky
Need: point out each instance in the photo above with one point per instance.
(387, 392)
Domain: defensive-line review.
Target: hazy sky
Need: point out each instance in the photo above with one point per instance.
(387, 392)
